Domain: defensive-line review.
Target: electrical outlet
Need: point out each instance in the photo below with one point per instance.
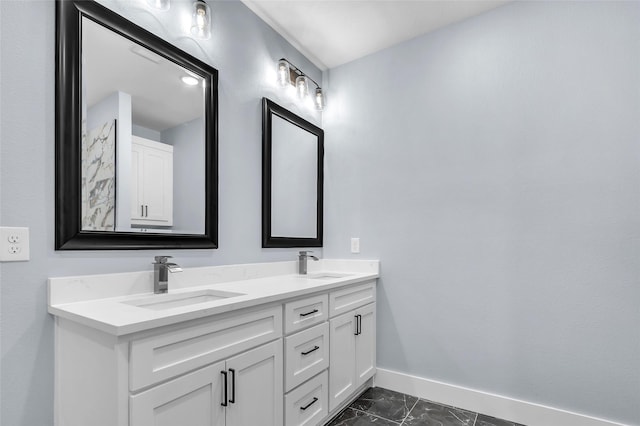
(14, 244)
(355, 245)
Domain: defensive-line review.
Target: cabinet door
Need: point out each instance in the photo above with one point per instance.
(342, 359)
(157, 181)
(366, 343)
(152, 182)
(193, 399)
(255, 387)
(137, 208)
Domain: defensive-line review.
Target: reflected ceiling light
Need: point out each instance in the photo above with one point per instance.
(189, 80)
(201, 20)
(159, 4)
(289, 74)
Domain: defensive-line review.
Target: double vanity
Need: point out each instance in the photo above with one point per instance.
(241, 345)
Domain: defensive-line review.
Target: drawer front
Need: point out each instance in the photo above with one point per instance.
(305, 313)
(307, 404)
(306, 354)
(157, 358)
(341, 301)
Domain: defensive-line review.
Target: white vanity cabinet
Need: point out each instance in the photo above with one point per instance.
(243, 390)
(221, 371)
(287, 351)
(306, 360)
(352, 341)
(151, 182)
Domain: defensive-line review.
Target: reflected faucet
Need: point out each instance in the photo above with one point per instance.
(302, 261)
(161, 269)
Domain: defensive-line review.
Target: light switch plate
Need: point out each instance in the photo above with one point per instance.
(14, 244)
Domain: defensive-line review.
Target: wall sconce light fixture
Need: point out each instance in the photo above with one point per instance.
(200, 19)
(160, 4)
(289, 74)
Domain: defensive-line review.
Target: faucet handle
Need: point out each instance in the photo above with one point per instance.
(305, 252)
(162, 259)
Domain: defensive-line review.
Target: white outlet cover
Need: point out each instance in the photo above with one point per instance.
(355, 245)
(14, 244)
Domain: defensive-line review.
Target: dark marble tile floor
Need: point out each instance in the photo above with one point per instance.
(383, 407)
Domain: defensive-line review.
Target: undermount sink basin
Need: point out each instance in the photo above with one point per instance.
(326, 275)
(160, 302)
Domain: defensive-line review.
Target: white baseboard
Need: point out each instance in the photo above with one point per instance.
(527, 413)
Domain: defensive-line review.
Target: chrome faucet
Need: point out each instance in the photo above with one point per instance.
(161, 269)
(302, 261)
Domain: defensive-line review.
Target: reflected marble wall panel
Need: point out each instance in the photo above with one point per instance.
(99, 178)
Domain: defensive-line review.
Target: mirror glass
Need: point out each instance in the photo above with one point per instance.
(142, 156)
(293, 151)
(136, 136)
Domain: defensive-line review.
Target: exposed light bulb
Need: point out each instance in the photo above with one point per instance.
(284, 73)
(201, 20)
(302, 86)
(319, 99)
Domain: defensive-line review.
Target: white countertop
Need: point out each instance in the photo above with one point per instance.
(97, 301)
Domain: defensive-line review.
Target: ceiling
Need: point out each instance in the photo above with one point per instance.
(333, 32)
(114, 63)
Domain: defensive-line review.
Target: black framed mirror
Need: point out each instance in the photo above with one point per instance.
(292, 179)
(136, 145)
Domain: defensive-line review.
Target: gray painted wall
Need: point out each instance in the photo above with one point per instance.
(244, 51)
(188, 175)
(492, 166)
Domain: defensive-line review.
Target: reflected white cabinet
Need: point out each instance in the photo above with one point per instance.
(244, 390)
(151, 182)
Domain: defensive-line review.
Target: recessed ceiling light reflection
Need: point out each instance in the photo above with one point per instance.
(189, 81)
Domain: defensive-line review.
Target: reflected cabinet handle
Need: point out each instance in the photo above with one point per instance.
(309, 404)
(315, 348)
(309, 313)
(224, 387)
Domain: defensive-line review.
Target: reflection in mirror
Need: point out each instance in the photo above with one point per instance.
(137, 147)
(136, 136)
(293, 151)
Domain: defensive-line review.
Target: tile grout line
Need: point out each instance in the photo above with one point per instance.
(409, 412)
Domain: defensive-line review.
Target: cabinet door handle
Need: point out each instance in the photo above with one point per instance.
(309, 313)
(146, 211)
(141, 210)
(315, 348)
(357, 330)
(309, 404)
(232, 400)
(224, 387)
(359, 324)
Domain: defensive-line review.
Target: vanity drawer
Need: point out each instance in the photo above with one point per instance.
(160, 357)
(341, 301)
(304, 313)
(307, 404)
(306, 354)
